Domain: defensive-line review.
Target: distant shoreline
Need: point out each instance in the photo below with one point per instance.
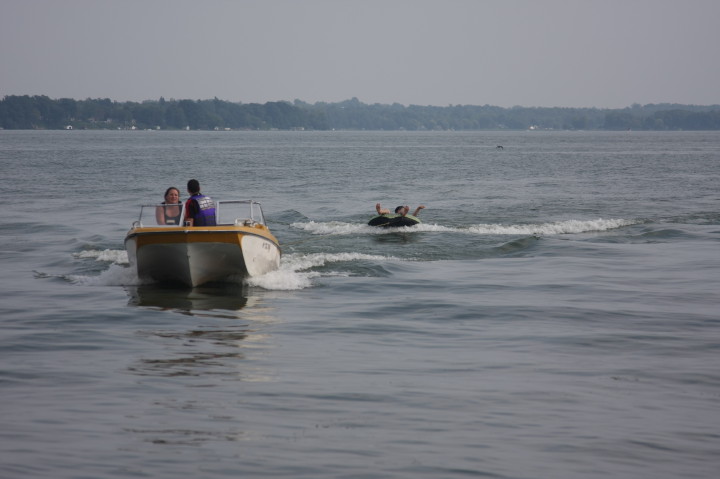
(41, 112)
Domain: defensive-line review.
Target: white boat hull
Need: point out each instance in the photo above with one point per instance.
(195, 256)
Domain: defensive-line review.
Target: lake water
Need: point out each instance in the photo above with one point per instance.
(557, 314)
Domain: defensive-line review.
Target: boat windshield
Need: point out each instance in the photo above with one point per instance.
(233, 212)
(239, 212)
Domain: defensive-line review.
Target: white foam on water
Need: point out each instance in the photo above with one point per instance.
(295, 269)
(108, 256)
(333, 228)
(282, 280)
(559, 227)
(293, 273)
(340, 228)
(116, 275)
(556, 228)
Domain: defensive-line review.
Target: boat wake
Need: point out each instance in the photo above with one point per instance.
(538, 229)
(108, 256)
(557, 228)
(296, 270)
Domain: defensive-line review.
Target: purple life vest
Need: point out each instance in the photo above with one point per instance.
(204, 210)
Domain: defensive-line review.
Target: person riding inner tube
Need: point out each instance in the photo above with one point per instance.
(400, 218)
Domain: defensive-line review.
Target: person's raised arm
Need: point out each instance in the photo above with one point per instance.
(380, 210)
(417, 210)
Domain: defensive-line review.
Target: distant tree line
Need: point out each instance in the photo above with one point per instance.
(352, 114)
(41, 112)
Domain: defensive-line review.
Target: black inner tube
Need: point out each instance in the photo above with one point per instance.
(393, 221)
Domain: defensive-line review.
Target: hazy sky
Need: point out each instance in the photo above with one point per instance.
(572, 53)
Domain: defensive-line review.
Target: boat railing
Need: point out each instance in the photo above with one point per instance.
(149, 215)
(231, 212)
(239, 212)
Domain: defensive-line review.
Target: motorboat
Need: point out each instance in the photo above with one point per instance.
(240, 245)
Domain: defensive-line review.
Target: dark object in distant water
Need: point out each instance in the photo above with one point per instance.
(499, 147)
(394, 221)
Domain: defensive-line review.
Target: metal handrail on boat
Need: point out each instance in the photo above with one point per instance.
(229, 212)
(255, 214)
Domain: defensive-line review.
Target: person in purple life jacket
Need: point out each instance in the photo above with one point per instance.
(199, 209)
